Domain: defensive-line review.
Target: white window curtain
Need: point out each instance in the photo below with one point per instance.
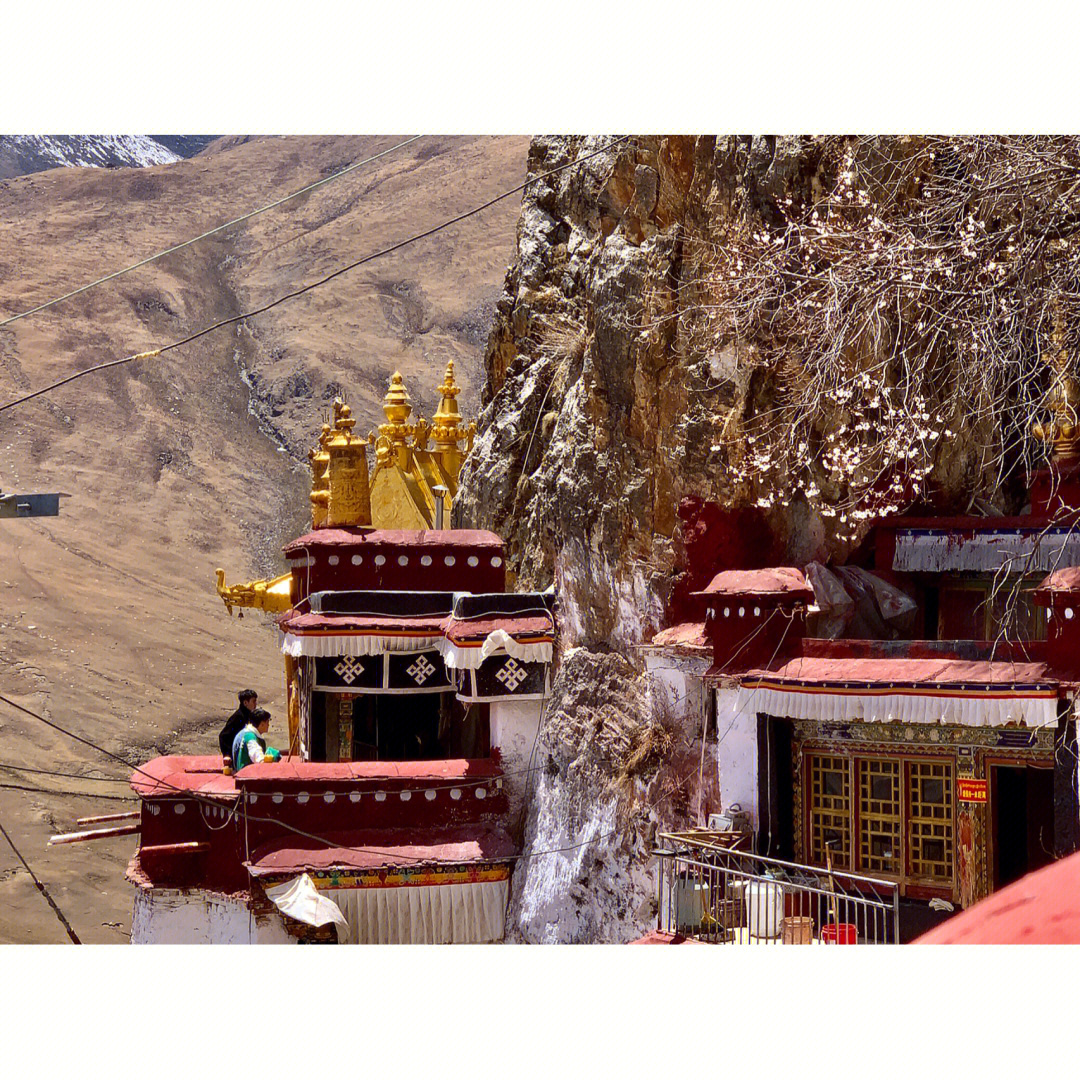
(459, 914)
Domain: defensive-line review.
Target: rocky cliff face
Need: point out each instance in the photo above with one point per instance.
(603, 411)
(601, 414)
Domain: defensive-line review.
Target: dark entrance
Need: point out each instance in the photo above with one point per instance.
(1023, 820)
(397, 727)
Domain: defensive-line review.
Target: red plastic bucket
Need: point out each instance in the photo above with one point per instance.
(839, 934)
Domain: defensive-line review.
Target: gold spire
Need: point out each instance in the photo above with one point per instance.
(1063, 400)
(394, 434)
(349, 500)
(446, 428)
(319, 459)
(398, 408)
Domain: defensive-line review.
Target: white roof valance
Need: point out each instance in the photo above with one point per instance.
(498, 642)
(879, 707)
(356, 644)
(1021, 550)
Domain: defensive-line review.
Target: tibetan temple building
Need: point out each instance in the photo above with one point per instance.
(415, 684)
(883, 717)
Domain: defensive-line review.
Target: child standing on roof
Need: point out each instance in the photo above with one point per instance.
(249, 747)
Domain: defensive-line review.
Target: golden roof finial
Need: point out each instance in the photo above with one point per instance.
(319, 459)
(1063, 400)
(397, 406)
(340, 493)
(446, 428)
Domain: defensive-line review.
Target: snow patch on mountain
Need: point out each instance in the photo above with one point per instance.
(21, 154)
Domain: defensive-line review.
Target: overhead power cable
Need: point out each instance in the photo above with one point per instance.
(42, 889)
(68, 791)
(66, 775)
(327, 843)
(314, 284)
(210, 232)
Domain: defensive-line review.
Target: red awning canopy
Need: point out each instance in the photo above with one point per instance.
(384, 848)
(926, 675)
(473, 632)
(975, 693)
(313, 622)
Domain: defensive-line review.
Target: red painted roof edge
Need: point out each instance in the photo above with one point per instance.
(406, 538)
(779, 582)
(1042, 908)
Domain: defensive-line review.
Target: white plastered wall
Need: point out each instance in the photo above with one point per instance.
(199, 917)
(737, 753)
(681, 680)
(513, 731)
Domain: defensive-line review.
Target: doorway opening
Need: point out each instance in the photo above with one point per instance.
(1023, 820)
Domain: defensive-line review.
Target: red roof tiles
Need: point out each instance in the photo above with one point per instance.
(1042, 908)
(779, 581)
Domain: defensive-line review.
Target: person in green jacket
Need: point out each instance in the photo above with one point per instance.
(249, 746)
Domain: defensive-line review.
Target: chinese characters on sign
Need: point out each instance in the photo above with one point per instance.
(972, 791)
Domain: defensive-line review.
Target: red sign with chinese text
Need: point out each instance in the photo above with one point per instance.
(968, 790)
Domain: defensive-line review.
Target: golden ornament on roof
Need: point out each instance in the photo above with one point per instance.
(1062, 431)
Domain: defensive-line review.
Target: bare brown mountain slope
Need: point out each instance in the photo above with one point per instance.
(108, 619)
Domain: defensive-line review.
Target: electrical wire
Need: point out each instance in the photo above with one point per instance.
(202, 236)
(216, 803)
(327, 843)
(153, 353)
(42, 889)
(66, 775)
(79, 794)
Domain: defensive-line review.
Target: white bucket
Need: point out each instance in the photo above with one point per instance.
(764, 902)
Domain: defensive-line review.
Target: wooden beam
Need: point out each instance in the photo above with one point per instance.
(190, 847)
(133, 815)
(94, 834)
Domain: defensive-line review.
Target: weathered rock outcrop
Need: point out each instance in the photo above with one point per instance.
(682, 313)
(604, 407)
(598, 422)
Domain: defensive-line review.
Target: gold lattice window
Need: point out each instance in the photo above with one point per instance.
(830, 809)
(881, 815)
(930, 820)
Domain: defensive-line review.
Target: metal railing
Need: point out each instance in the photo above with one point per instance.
(714, 893)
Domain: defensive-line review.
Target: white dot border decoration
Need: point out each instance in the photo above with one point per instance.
(380, 560)
(333, 560)
(357, 560)
(473, 560)
(449, 560)
(403, 560)
(496, 561)
(425, 560)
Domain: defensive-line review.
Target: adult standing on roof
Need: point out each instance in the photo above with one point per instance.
(249, 702)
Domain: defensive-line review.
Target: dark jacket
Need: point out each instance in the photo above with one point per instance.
(232, 728)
